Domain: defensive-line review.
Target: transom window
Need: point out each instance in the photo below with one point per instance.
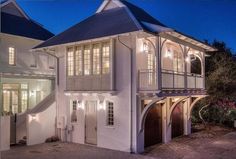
(70, 62)
(12, 56)
(110, 114)
(106, 58)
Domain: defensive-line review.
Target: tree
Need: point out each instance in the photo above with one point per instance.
(220, 84)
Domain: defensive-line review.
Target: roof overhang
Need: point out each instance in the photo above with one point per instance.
(190, 40)
(17, 6)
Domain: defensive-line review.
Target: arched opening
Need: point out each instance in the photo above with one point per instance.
(196, 65)
(153, 126)
(172, 57)
(177, 121)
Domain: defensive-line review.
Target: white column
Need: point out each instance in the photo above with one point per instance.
(164, 123)
(158, 64)
(168, 122)
(187, 119)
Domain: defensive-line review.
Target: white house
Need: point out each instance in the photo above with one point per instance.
(126, 81)
(26, 78)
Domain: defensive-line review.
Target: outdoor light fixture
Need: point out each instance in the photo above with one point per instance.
(32, 93)
(169, 54)
(187, 59)
(80, 105)
(145, 48)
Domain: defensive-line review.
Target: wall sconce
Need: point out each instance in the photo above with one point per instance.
(32, 93)
(80, 105)
(187, 59)
(102, 105)
(169, 53)
(145, 48)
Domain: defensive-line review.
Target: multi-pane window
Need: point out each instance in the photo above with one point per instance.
(74, 117)
(78, 61)
(70, 62)
(110, 114)
(24, 100)
(12, 56)
(177, 62)
(96, 60)
(87, 60)
(105, 58)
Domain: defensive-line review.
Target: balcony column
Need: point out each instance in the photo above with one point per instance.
(203, 71)
(185, 68)
(158, 63)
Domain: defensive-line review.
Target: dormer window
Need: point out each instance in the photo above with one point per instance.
(12, 56)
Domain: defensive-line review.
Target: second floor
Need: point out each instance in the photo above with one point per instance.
(16, 57)
(153, 63)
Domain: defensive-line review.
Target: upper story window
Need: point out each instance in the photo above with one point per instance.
(178, 62)
(96, 59)
(78, 61)
(87, 60)
(106, 58)
(70, 62)
(12, 56)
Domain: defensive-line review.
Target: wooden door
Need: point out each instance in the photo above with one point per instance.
(153, 126)
(91, 122)
(177, 126)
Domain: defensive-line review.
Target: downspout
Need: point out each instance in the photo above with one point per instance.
(131, 95)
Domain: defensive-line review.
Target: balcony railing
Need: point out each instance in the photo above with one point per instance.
(170, 80)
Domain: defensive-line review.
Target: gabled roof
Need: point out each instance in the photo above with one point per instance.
(15, 22)
(106, 23)
(113, 17)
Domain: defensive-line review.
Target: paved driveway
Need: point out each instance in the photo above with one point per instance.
(219, 145)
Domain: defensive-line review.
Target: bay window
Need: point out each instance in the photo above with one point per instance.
(96, 59)
(105, 58)
(87, 61)
(70, 62)
(78, 61)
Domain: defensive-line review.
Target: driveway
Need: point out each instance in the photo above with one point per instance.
(217, 144)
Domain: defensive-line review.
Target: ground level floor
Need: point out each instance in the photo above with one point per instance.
(218, 143)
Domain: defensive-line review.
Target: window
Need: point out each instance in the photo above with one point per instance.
(12, 56)
(87, 61)
(74, 117)
(110, 114)
(70, 62)
(24, 100)
(78, 61)
(105, 58)
(96, 60)
(177, 62)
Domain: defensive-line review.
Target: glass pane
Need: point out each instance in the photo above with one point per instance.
(24, 101)
(6, 101)
(14, 100)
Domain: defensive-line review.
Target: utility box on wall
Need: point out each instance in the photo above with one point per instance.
(5, 133)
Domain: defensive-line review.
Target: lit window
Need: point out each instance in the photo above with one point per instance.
(87, 61)
(177, 62)
(110, 114)
(78, 61)
(12, 56)
(106, 58)
(96, 60)
(70, 62)
(24, 101)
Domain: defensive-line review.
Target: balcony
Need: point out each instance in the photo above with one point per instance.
(170, 80)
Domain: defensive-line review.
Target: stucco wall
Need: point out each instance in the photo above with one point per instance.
(5, 133)
(41, 126)
(24, 58)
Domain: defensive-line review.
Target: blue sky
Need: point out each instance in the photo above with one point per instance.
(202, 19)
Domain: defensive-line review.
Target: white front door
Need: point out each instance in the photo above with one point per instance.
(91, 122)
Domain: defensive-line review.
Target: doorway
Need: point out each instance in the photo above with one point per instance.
(91, 122)
(153, 126)
(177, 126)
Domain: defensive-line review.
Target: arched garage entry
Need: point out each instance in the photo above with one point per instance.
(153, 126)
(177, 121)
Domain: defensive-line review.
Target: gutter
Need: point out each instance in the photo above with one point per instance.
(131, 97)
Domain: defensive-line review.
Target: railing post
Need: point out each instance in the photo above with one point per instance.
(185, 68)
